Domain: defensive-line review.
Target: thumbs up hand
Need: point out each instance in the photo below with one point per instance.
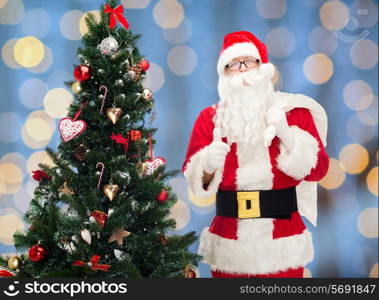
(215, 153)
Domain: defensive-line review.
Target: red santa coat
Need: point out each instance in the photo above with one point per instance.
(262, 245)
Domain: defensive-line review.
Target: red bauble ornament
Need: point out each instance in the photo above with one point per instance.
(162, 196)
(82, 73)
(135, 135)
(190, 274)
(37, 253)
(100, 217)
(144, 64)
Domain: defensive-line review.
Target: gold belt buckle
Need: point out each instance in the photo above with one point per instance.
(248, 204)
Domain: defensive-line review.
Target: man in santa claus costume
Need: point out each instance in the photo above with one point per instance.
(261, 152)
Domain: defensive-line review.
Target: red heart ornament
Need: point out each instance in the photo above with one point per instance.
(153, 164)
(68, 128)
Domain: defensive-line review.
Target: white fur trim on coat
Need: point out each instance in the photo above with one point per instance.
(236, 50)
(194, 175)
(298, 162)
(255, 251)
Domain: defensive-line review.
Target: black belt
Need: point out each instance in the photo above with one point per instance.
(256, 204)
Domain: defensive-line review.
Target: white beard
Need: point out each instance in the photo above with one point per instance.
(241, 112)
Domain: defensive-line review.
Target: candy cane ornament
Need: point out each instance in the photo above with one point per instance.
(103, 87)
(100, 164)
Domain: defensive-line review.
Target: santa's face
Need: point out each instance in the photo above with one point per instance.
(245, 89)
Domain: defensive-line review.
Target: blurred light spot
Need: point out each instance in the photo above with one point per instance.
(3, 3)
(46, 62)
(10, 125)
(69, 24)
(359, 132)
(365, 12)
(18, 160)
(38, 129)
(38, 157)
(155, 77)
(32, 92)
(8, 56)
(15, 158)
(28, 51)
(180, 34)
(307, 273)
(357, 95)
(181, 213)
(318, 68)
(370, 115)
(280, 42)
(27, 139)
(82, 22)
(9, 224)
(11, 12)
(3, 187)
(322, 40)
(168, 13)
(36, 22)
(57, 101)
(364, 54)
(135, 4)
(335, 175)
(11, 173)
(334, 15)
(374, 271)
(354, 158)
(271, 9)
(372, 181)
(367, 222)
(182, 60)
(201, 201)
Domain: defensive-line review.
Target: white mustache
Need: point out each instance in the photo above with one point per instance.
(250, 77)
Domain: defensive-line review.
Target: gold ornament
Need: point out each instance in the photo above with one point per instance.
(111, 190)
(76, 87)
(118, 236)
(14, 263)
(141, 168)
(66, 190)
(114, 113)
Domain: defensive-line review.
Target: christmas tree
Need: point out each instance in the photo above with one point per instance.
(103, 209)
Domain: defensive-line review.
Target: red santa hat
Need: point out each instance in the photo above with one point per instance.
(244, 43)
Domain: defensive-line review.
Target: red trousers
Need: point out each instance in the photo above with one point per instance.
(289, 273)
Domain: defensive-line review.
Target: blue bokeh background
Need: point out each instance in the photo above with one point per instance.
(325, 50)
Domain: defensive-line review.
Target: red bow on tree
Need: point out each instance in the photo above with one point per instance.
(93, 264)
(116, 13)
(39, 175)
(119, 139)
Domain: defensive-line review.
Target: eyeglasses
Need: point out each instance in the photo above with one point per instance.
(236, 65)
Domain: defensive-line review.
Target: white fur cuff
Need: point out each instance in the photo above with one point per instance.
(256, 256)
(194, 175)
(298, 162)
